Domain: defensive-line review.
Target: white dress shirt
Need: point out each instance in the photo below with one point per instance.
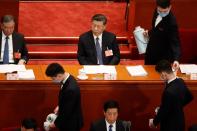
(158, 20)
(65, 79)
(10, 45)
(113, 126)
(172, 79)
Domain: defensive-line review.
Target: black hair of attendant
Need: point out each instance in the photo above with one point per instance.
(164, 66)
(110, 104)
(54, 69)
(29, 123)
(163, 3)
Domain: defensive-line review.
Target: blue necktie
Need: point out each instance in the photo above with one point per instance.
(99, 52)
(110, 127)
(6, 52)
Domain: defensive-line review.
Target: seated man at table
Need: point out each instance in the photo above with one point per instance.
(98, 47)
(12, 44)
(110, 122)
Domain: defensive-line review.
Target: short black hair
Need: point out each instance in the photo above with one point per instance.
(7, 18)
(163, 66)
(54, 69)
(100, 17)
(110, 104)
(163, 3)
(29, 123)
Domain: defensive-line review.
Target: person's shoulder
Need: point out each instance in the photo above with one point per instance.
(86, 34)
(172, 18)
(17, 34)
(107, 33)
(99, 123)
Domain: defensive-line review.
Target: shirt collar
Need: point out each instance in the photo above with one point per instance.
(66, 78)
(172, 79)
(100, 36)
(107, 124)
(4, 36)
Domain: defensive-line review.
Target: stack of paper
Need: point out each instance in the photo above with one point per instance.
(99, 69)
(136, 70)
(11, 68)
(26, 75)
(188, 68)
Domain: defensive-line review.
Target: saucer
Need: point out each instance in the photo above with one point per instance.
(83, 77)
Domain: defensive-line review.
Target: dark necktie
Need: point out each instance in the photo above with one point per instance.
(99, 52)
(110, 127)
(6, 52)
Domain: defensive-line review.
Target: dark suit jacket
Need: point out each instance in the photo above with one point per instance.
(100, 125)
(19, 45)
(164, 42)
(170, 115)
(70, 114)
(86, 53)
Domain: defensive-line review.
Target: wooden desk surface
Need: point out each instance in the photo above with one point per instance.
(137, 96)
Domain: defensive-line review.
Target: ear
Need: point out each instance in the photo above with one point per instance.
(104, 27)
(170, 7)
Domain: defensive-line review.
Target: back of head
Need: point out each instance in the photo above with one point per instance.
(29, 123)
(7, 19)
(100, 17)
(110, 104)
(164, 66)
(163, 3)
(54, 69)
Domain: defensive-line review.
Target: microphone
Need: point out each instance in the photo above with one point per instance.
(124, 123)
(129, 125)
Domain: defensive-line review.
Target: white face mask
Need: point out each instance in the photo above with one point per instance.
(163, 14)
(56, 81)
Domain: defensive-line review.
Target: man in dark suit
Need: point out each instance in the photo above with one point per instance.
(98, 47)
(175, 96)
(69, 113)
(110, 122)
(164, 42)
(13, 47)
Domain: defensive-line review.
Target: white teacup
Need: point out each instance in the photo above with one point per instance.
(82, 73)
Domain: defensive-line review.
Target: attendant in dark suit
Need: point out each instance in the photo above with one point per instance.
(98, 46)
(175, 96)
(69, 105)
(164, 42)
(110, 122)
(12, 45)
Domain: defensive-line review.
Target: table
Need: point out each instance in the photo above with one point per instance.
(137, 96)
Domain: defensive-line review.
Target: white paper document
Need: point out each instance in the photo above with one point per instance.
(26, 75)
(11, 68)
(99, 69)
(136, 70)
(188, 68)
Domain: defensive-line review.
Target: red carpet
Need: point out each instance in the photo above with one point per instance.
(68, 19)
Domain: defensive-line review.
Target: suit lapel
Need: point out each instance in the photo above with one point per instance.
(14, 43)
(92, 44)
(104, 128)
(104, 44)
